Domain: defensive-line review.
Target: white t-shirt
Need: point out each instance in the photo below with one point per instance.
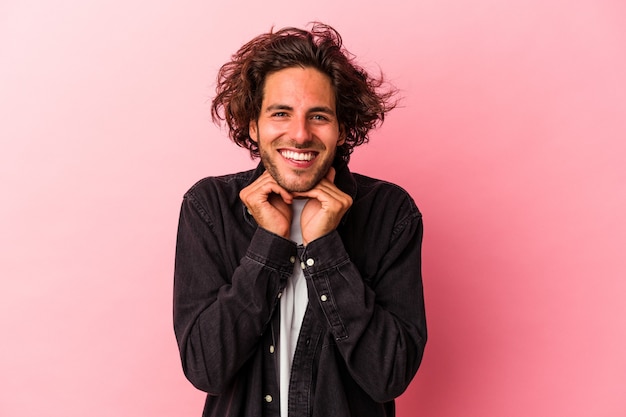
(293, 303)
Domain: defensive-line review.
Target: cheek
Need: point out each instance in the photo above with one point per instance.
(269, 131)
(335, 138)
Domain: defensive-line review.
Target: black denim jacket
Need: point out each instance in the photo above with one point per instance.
(364, 330)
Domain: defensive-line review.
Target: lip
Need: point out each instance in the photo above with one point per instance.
(300, 158)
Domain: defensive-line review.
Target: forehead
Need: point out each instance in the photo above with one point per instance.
(298, 86)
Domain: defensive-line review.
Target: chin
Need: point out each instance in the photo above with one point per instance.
(298, 186)
(297, 182)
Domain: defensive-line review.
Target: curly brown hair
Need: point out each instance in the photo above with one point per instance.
(361, 101)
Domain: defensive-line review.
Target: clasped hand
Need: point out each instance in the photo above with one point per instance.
(270, 205)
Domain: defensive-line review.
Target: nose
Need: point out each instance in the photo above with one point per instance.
(299, 129)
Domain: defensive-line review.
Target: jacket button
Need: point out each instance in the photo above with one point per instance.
(310, 262)
(323, 297)
(268, 398)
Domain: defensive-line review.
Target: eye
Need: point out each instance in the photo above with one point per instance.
(319, 117)
(279, 114)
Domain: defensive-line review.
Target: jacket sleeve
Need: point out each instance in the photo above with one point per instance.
(220, 315)
(380, 326)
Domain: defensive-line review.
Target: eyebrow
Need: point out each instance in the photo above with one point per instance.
(317, 109)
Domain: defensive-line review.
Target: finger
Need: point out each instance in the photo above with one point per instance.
(329, 197)
(276, 188)
(324, 190)
(262, 188)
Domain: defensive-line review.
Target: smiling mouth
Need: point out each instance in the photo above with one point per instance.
(298, 156)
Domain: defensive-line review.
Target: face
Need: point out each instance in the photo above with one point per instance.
(297, 130)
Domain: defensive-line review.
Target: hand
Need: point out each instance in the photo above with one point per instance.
(269, 204)
(326, 206)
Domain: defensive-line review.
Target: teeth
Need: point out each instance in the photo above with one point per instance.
(298, 156)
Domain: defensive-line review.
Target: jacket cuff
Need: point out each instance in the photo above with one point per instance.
(272, 250)
(325, 252)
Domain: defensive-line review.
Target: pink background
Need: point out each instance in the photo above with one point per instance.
(511, 138)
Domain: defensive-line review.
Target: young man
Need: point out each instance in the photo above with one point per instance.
(298, 286)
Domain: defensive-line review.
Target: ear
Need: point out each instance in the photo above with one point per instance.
(342, 135)
(253, 129)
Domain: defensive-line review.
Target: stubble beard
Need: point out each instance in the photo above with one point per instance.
(296, 186)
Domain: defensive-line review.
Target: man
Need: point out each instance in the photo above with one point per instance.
(297, 286)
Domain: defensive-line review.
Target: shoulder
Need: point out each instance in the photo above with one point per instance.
(377, 192)
(385, 209)
(220, 184)
(218, 191)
